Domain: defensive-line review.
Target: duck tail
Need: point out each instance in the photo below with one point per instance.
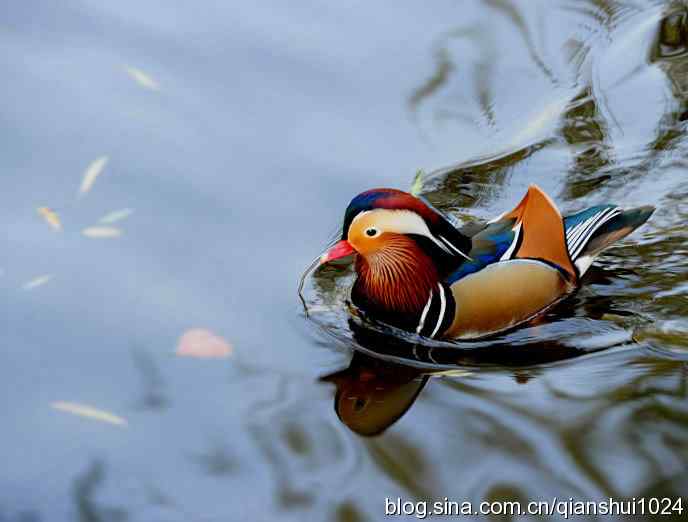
(601, 229)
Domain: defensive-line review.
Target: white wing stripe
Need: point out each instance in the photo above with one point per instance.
(571, 231)
(582, 245)
(579, 245)
(584, 240)
(517, 234)
(586, 225)
(590, 224)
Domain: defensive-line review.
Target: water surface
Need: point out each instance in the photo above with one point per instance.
(238, 134)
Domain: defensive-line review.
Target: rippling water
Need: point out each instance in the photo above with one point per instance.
(237, 135)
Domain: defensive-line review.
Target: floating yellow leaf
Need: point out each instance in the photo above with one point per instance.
(452, 373)
(50, 217)
(143, 79)
(417, 185)
(38, 281)
(102, 232)
(92, 172)
(116, 215)
(202, 343)
(90, 412)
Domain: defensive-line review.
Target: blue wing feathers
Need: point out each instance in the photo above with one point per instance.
(488, 247)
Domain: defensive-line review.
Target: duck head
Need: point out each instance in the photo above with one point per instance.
(404, 248)
(372, 395)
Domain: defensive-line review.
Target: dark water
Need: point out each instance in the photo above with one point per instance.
(238, 151)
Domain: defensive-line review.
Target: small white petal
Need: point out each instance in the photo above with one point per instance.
(92, 172)
(143, 79)
(38, 281)
(116, 215)
(102, 232)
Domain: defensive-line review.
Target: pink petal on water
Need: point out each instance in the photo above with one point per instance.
(202, 343)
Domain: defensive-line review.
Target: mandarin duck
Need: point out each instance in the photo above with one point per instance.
(417, 272)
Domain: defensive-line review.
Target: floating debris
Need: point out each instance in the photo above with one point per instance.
(615, 318)
(452, 373)
(417, 185)
(90, 412)
(92, 172)
(50, 217)
(143, 79)
(102, 232)
(204, 344)
(116, 215)
(38, 281)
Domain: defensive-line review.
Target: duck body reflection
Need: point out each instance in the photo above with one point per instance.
(386, 373)
(371, 394)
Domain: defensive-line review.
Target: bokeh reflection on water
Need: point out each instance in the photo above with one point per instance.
(238, 133)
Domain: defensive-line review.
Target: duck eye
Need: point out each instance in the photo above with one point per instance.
(359, 404)
(371, 232)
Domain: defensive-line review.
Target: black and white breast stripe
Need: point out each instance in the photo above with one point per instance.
(438, 313)
(578, 236)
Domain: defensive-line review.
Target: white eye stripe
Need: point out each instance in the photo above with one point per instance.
(406, 222)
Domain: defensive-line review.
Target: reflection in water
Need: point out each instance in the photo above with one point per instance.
(672, 36)
(510, 10)
(153, 395)
(386, 374)
(371, 395)
(217, 462)
(593, 125)
(85, 490)
(571, 422)
(584, 129)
